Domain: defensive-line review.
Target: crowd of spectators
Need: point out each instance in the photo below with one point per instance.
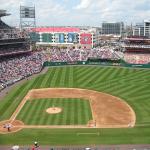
(70, 55)
(136, 46)
(137, 58)
(6, 51)
(17, 68)
(12, 33)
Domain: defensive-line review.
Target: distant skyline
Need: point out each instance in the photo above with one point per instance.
(79, 12)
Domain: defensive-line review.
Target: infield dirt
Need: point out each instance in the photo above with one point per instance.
(108, 111)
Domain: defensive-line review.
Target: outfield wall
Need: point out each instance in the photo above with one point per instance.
(121, 64)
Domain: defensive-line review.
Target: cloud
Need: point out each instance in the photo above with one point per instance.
(80, 12)
(83, 4)
(51, 13)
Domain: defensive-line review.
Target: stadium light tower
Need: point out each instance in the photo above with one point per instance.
(27, 17)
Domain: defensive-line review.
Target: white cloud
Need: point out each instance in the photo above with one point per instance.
(83, 4)
(84, 12)
(51, 13)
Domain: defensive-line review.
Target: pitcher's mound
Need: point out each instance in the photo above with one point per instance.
(53, 110)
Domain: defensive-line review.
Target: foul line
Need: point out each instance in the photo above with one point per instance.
(20, 106)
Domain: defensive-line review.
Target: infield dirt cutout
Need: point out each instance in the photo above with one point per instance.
(107, 111)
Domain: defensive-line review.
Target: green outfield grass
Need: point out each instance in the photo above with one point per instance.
(132, 85)
(74, 112)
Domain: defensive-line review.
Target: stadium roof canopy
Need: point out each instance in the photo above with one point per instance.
(3, 13)
(56, 29)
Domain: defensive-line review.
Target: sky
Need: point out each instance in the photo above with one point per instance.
(79, 12)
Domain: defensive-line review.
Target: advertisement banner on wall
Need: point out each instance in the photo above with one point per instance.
(50, 37)
(86, 38)
(70, 37)
(76, 38)
(56, 38)
(61, 38)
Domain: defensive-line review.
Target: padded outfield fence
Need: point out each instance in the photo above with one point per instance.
(103, 62)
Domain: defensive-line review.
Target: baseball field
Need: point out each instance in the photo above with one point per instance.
(57, 107)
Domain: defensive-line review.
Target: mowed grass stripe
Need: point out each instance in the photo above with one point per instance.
(105, 71)
(39, 82)
(80, 71)
(30, 115)
(86, 109)
(86, 76)
(46, 78)
(144, 91)
(22, 113)
(110, 76)
(55, 79)
(37, 112)
(134, 91)
(70, 77)
(121, 78)
(8, 102)
(45, 115)
(124, 90)
(72, 112)
(65, 112)
(36, 82)
(49, 117)
(49, 79)
(69, 110)
(61, 71)
(76, 112)
(61, 105)
(89, 111)
(107, 74)
(58, 103)
(82, 113)
(30, 112)
(84, 72)
(91, 78)
(63, 76)
(67, 77)
(140, 97)
(144, 110)
(134, 77)
(14, 102)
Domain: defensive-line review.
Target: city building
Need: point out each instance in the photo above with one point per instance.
(147, 28)
(142, 29)
(113, 28)
(138, 29)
